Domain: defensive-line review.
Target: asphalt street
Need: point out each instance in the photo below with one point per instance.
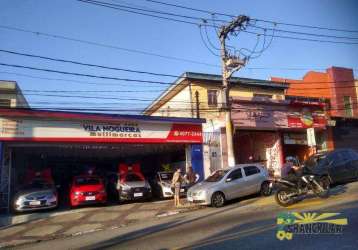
(244, 224)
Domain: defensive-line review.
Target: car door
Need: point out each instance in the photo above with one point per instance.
(337, 166)
(234, 184)
(253, 179)
(355, 162)
(346, 172)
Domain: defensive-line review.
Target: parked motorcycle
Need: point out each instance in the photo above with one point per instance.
(289, 192)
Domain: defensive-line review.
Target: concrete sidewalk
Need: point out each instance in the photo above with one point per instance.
(46, 226)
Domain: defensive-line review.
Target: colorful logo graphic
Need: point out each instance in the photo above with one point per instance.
(291, 223)
(307, 118)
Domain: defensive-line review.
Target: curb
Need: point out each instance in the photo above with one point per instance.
(12, 220)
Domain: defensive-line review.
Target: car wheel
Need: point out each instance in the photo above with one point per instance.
(218, 199)
(265, 189)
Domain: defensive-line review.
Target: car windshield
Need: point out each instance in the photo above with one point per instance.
(41, 184)
(81, 181)
(166, 176)
(314, 160)
(133, 177)
(217, 176)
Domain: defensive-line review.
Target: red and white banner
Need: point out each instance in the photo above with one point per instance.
(48, 130)
(274, 116)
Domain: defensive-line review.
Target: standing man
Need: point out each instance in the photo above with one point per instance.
(191, 177)
(176, 183)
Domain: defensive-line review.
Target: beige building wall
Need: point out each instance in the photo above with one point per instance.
(178, 106)
(183, 104)
(11, 95)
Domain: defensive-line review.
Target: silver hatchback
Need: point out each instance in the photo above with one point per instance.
(228, 184)
(37, 195)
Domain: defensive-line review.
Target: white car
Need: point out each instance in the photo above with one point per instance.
(230, 183)
(163, 182)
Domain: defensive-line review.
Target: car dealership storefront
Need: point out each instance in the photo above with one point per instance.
(269, 130)
(65, 142)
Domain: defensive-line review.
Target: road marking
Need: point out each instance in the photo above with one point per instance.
(306, 204)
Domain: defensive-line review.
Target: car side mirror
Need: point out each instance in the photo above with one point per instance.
(228, 179)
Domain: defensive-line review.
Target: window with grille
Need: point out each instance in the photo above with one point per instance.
(266, 96)
(5, 103)
(212, 97)
(347, 100)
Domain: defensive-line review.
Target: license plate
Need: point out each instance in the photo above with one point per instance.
(138, 194)
(35, 203)
(182, 190)
(90, 198)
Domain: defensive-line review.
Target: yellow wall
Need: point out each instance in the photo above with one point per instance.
(178, 106)
(183, 102)
(356, 84)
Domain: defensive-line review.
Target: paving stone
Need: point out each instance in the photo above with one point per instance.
(43, 230)
(11, 231)
(82, 228)
(101, 217)
(67, 218)
(157, 206)
(120, 207)
(15, 242)
(139, 215)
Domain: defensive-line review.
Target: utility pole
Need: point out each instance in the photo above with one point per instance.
(197, 103)
(230, 64)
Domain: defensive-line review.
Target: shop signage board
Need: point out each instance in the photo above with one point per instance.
(266, 116)
(49, 130)
(295, 139)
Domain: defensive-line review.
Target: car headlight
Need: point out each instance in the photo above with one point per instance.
(19, 201)
(78, 193)
(126, 188)
(200, 192)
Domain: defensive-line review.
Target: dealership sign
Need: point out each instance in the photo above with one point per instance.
(49, 130)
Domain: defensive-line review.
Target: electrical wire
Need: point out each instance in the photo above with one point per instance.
(189, 8)
(85, 75)
(307, 26)
(246, 31)
(304, 39)
(256, 19)
(77, 81)
(205, 44)
(97, 3)
(145, 10)
(304, 33)
(108, 46)
(86, 64)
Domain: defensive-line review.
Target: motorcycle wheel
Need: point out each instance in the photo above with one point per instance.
(324, 183)
(282, 199)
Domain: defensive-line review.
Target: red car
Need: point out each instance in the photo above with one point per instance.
(87, 189)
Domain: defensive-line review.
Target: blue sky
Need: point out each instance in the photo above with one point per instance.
(82, 21)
